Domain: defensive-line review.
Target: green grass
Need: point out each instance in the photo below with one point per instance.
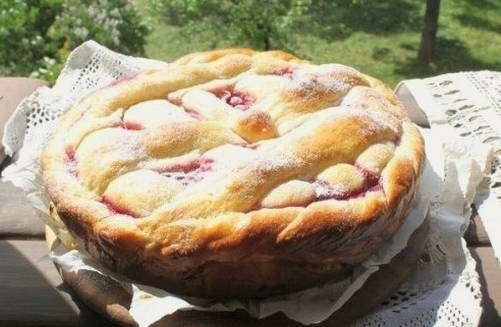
(382, 41)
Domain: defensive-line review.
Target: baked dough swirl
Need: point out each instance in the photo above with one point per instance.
(235, 173)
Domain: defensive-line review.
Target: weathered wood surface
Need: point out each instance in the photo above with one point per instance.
(31, 290)
(489, 270)
(476, 234)
(17, 218)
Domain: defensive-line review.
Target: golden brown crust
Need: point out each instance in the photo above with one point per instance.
(260, 166)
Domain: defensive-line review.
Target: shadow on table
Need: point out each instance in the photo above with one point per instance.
(27, 298)
(490, 316)
(7, 161)
(451, 54)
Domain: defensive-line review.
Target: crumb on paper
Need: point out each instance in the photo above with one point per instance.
(144, 296)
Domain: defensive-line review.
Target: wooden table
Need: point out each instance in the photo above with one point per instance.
(32, 293)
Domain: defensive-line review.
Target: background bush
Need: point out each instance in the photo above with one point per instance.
(36, 36)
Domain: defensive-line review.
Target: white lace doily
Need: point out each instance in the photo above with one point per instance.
(443, 291)
(467, 105)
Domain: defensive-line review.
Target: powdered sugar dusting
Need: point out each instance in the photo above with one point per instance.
(189, 173)
(230, 160)
(267, 165)
(130, 147)
(153, 113)
(377, 119)
(280, 161)
(231, 157)
(374, 120)
(286, 72)
(320, 79)
(333, 69)
(325, 190)
(116, 209)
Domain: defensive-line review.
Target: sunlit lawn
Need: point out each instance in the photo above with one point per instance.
(382, 43)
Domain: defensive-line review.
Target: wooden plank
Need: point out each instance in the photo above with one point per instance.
(17, 218)
(489, 271)
(476, 234)
(32, 292)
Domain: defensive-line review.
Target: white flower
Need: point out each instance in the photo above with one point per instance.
(115, 12)
(100, 17)
(81, 32)
(92, 11)
(115, 37)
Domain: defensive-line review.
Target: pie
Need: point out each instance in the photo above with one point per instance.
(234, 173)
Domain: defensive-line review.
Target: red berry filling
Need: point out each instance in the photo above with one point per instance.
(252, 146)
(121, 80)
(190, 173)
(70, 154)
(117, 209)
(325, 191)
(371, 178)
(174, 100)
(130, 125)
(71, 161)
(286, 72)
(237, 99)
(193, 113)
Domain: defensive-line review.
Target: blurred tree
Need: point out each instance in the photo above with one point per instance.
(279, 24)
(430, 27)
(257, 23)
(36, 36)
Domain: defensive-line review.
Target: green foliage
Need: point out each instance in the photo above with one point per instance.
(380, 38)
(112, 23)
(36, 36)
(274, 23)
(23, 28)
(255, 23)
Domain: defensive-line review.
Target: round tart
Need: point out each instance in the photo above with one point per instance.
(235, 173)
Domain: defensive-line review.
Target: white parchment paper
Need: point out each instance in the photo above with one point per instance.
(449, 184)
